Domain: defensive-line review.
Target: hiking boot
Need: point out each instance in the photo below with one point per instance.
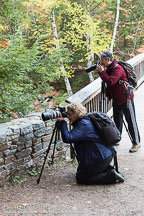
(135, 148)
(118, 176)
(116, 144)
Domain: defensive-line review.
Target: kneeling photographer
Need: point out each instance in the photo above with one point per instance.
(94, 158)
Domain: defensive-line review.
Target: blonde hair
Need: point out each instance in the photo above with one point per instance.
(78, 109)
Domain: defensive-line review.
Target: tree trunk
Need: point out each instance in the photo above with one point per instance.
(138, 35)
(67, 83)
(115, 26)
(91, 56)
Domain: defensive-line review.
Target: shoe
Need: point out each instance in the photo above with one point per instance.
(135, 148)
(118, 176)
(116, 144)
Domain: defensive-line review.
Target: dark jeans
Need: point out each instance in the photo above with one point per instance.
(100, 174)
(129, 113)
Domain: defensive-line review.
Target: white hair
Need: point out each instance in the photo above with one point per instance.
(78, 109)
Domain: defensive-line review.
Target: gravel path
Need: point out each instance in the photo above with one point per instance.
(58, 193)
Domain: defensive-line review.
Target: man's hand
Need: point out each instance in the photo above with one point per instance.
(100, 68)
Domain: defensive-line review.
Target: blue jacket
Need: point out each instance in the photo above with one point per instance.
(88, 145)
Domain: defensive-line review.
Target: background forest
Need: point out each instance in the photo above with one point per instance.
(45, 46)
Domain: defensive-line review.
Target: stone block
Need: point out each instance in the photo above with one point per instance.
(36, 141)
(38, 159)
(34, 155)
(28, 143)
(9, 159)
(24, 153)
(21, 146)
(1, 154)
(1, 168)
(25, 129)
(13, 136)
(3, 175)
(15, 129)
(37, 147)
(15, 141)
(29, 164)
(27, 159)
(46, 138)
(37, 124)
(48, 131)
(1, 161)
(9, 166)
(2, 137)
(50, 123)
(21, 139)
(28, 136)
(19, 162)
(42, 132)
(45, 145)
(4, 146)
(9, 152)
(13, 147)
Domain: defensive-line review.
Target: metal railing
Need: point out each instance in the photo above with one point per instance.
(90, 96)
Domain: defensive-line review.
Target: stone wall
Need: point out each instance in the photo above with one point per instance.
(23, 143)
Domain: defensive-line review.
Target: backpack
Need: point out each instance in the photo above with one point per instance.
(105, 127)
(130, 73)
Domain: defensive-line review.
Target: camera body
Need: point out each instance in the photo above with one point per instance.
(93, 67)
(54, 114)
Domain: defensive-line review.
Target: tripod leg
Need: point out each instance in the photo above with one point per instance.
(55, 142)
(38, 180)
(102, 97)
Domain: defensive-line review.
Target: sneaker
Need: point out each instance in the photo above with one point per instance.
(118, 176)
(135, 148)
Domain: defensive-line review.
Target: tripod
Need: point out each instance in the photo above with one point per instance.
(102, 97)
(55, 133)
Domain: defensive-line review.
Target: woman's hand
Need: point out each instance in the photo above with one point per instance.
(60, 117)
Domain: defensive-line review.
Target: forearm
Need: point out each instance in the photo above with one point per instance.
(66, 136)
(111, 79)
(77, 134)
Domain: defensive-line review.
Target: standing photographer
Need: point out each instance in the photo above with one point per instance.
(115, 77)
(93, 157)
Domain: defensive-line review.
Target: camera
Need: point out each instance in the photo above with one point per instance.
(93, 67)
(54, 114)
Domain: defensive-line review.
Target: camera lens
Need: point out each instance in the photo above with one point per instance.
(50, 115)
(54, 114)
(91, 68)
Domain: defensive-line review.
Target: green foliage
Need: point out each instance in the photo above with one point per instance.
(11, 15)
(130, 33)
(18, 179)
(33, 172)
(24, 73)
(32, 57)
(54, 60)
(16, 89)
(60, 100)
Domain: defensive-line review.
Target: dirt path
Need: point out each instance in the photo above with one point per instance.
(58, 193)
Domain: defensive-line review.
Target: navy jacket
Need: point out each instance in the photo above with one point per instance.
(88, 145)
